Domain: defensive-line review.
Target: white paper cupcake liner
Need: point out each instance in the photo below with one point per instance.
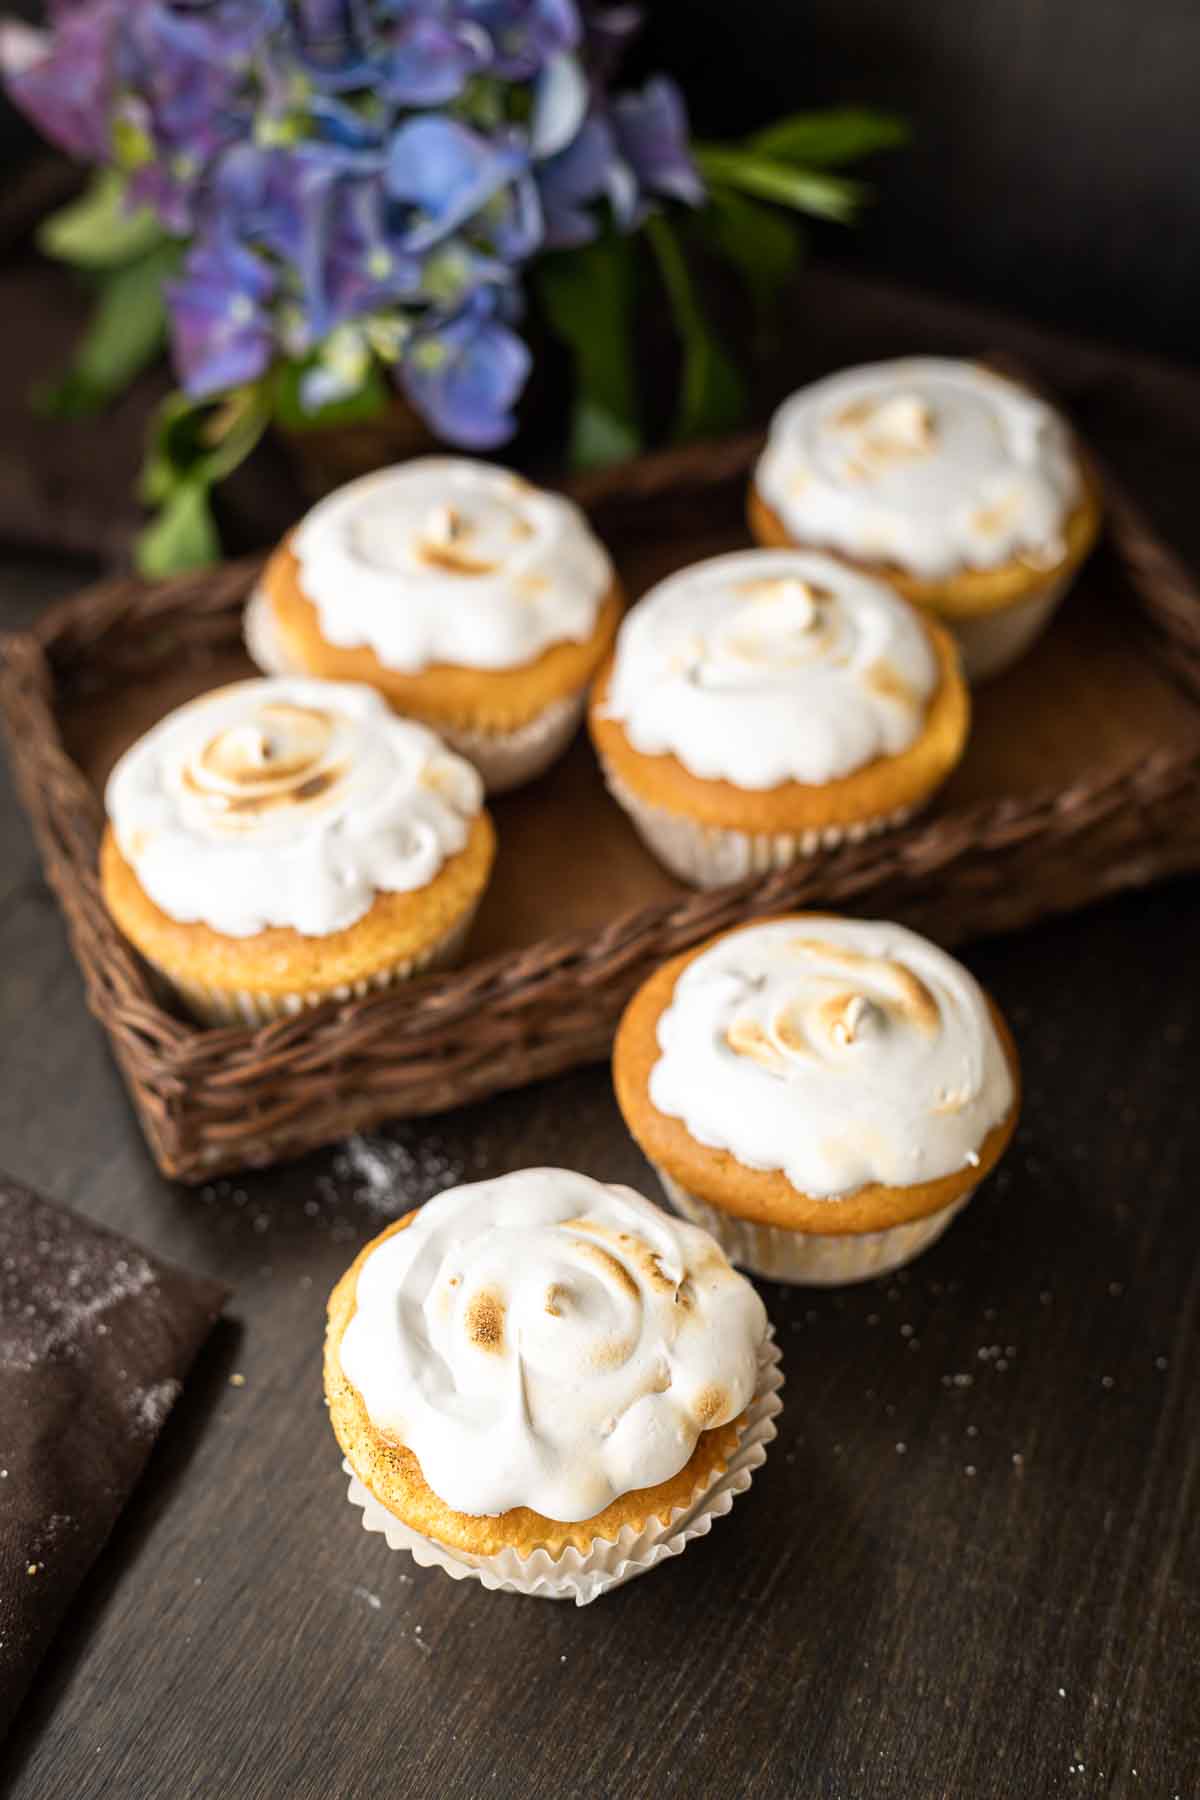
(504, 759)
(805, 1258)
(508, 759)
(583, 1576)
(243, 1006)
(709, 856)
(992, 642)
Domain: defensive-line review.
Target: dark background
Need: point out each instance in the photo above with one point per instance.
(1055, 167)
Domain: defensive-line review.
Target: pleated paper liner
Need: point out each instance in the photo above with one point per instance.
(1082, 776)
(583, 1576)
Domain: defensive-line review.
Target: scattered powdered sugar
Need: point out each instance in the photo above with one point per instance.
(54, 1297)
(391, 1174)
(148, 1407)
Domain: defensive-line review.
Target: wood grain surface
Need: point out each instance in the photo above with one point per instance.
(969, 1569)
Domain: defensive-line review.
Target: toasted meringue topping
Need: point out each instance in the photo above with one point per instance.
(851, 1054)
(544, 1340)
(771, 666)
(445, 560)
(287, 802)
(928, 464)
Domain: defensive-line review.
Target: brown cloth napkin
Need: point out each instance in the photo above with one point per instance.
(95, 1340)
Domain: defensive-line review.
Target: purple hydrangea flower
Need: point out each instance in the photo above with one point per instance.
(652, 137)
(301, 146)
(221, 328)
(429, 60)
(66, 81)
(465, 374)
(573, 180)
(446, 174)
(523, 34)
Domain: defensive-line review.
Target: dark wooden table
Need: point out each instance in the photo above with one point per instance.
(970, 1567)
(969, 1571)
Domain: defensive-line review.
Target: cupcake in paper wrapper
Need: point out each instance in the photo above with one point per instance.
(868, 463)
(822, 1095)
(765, 707)
(590, 1387)
(474, 602)
(279, 843)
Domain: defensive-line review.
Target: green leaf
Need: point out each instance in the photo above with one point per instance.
(194, 444)
(713, 397)
(836, 135)
(126, 332)
(183, 535)
(587, 296)
(806, 190)
(761, 245)
(97, 231)
(370, 401)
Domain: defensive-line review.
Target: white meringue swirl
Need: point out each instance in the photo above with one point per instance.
(771, 665)
(287, 802)
(840, 1051)
(445, 560)
(545, 1340)
(926, 463)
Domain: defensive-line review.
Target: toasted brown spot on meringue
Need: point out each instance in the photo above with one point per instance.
(685, 1294)
(604, 1261)
(485, 1321)
(843, 1016)
(553, 1296)
(610, 1353)
(746, 1037)
(650, 1264)
(453, 560)
(993, 519)
(710, 1405)
(788, 1033)
(909, 994)
(885, 679)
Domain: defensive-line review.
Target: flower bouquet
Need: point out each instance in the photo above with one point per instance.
(325, 209)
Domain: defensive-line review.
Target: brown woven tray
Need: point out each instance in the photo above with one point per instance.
(1083, 776)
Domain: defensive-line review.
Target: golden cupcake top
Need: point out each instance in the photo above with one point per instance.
(547, 1341)
(926, 464)
(287, 802)
(840, 1051)
(444, 560)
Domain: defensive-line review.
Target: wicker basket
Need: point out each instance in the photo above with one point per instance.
(1117, 808)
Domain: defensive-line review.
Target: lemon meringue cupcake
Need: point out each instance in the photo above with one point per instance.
(955, 484)
(547, 1383)
(765, 705)
(822, 1094)
(475, 603)
(278, 843)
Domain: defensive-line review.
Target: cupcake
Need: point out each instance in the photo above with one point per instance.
(823, 1094)
(956, 485)
(546, 1383)
(475, 603)
(766, 705)
(278, 843)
